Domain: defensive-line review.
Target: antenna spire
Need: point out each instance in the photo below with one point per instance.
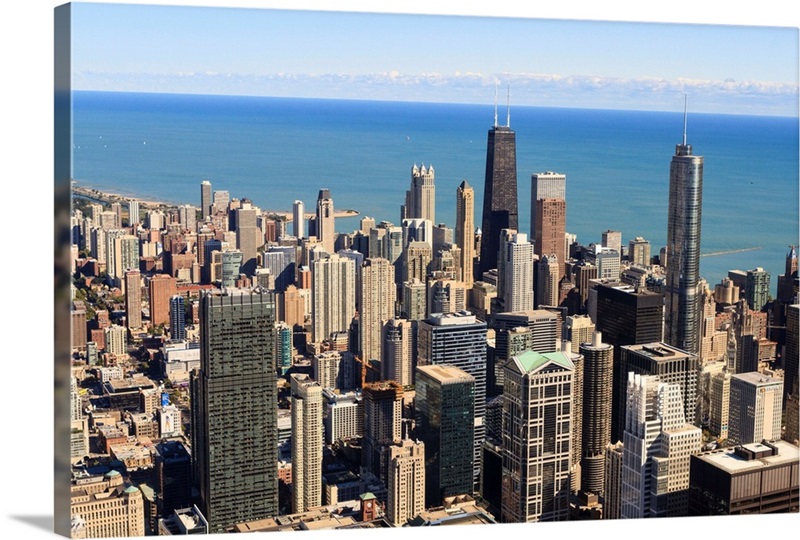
(685, 102)
(508, 105)
(495, 103)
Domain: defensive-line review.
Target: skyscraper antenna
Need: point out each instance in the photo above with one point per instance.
(508, 105)
(495, 103)
(685, 102)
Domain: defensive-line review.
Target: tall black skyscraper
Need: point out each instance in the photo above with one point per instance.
(682, 292)
(499, 191)
(234, 408)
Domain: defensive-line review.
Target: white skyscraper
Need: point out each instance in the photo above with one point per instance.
(333, 285)
(755, 408)
(133, 211)
(517, 274)
(376, 304)
(299, 219)
(307, 442)
(657, 446)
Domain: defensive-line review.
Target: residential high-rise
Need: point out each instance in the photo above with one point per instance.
(548, 290)
(205, 198)
(177, 318)
(232, 260)
(307, 442)
(682, 289)
(281, 262)
(124, 253)
(161, 288)
(383, 414)
(345, 415)
(755, 408)
(234, 408)
(546, 185)
(465, 230)
(517, 274)
(221, 200)
(187, 217)
(499, 191)
(333, 284)
(133, 299)
(414, 302)
(598, 369)
(405, 481)
(447, 296)
(133, 212)
(756, 288)
(397, 362)
(613, 481)
(248, 237)
(325, 225)
(458, 339)
(639, 251)
(444, 405)
(536, 460)
(550, 228)
(657, 447)
(299, 220)
(421, 196)
(543, 326)
(580, 329)
(376, 305)
(418, 256)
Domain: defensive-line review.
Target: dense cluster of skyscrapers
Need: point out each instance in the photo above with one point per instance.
(414, 374)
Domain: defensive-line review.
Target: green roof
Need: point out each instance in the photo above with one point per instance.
(532, 360)
(131, 489)
(367, 496)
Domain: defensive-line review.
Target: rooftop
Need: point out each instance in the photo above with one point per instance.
(533, 361)
(729, 461)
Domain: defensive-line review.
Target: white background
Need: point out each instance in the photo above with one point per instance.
(26, 141)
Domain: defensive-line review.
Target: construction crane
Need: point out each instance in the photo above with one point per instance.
(365, 365)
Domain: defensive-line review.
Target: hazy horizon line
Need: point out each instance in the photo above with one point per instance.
(441, 101)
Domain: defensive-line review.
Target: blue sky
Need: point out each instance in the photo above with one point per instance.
(736, 69)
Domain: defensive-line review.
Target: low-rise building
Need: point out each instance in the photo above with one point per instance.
(103, 506)
(758, 478)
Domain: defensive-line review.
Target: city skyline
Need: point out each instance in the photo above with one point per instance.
(449, 197)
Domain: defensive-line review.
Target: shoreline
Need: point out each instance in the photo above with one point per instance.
(109, 197)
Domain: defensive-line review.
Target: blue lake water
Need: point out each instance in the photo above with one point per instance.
(276, 150)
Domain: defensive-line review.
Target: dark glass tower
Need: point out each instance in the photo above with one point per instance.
(682, 291)
(459, 339)
(234, 408)
(499, 192)
(445, 404)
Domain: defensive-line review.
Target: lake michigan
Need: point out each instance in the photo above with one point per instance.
(276, 150)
